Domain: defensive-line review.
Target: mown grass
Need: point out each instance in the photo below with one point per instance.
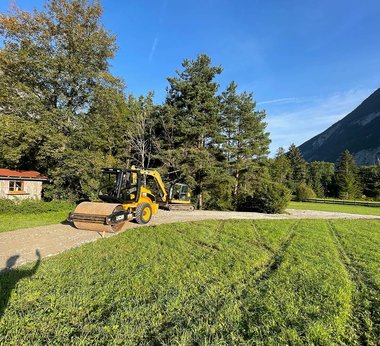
(351, 209)
(305, 297)
(212, 282)
(361, 250)
(32, 213)
(11, 222)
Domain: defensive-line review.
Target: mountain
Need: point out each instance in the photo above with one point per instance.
(359, 132)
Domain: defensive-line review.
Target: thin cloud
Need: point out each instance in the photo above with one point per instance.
(284, 100)
(162, 16)
(153, 49)
(306, 120)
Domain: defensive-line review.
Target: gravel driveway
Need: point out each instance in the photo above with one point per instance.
(19, 247)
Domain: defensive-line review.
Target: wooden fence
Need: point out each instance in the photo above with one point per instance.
(337, 201)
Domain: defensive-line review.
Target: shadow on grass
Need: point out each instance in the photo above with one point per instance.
(10, 277)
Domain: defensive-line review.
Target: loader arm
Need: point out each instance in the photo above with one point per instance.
(159, 182)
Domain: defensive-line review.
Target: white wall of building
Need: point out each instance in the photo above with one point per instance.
(31, 189)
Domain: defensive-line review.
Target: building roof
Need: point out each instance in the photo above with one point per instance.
(29, 175)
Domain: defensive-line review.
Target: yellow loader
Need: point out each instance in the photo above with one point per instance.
(131, 194)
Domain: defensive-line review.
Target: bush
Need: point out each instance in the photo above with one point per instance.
(269, 197)
(30, 206)
(6, 205)
(304, 191)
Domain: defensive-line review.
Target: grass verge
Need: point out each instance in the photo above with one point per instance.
(11, 222)
(351, 209)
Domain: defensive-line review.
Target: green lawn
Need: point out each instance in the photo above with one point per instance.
(352, 209)
(11, 222)
(268, 282)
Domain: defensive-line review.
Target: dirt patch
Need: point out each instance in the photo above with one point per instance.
(53, 239)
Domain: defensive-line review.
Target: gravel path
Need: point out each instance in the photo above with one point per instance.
(19, 247)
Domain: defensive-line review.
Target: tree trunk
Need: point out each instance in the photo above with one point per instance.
(200, 201)
(236, 187)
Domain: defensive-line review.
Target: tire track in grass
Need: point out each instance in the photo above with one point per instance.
(255, 277)
(253, 236)
(364, 304)
(277, 256)
(303, 296)
(260, 240)
(201, 243)
(241, 259)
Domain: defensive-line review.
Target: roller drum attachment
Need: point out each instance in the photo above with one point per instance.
(100, 217)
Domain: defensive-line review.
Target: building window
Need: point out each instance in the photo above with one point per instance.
(15, 186)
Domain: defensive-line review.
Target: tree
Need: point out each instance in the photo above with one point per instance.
(244, 140)
(370, 179)
(52, 64)
(106, 126)
(268, 197)
(304, 192)
(56, 58)
(168, 139)
(18, 140)
(141, 136)
(347, 180)
(193, 106)
(320, 177)
(298, 167)
(280, 167)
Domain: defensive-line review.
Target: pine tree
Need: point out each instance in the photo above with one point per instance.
(298, 167)
(193, 107)
(370, 179)
(245, 142)
(347, 180)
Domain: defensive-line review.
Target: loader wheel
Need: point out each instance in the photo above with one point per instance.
(143, 213)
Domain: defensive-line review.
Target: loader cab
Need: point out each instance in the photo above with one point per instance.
(118, 186)
(179, 192)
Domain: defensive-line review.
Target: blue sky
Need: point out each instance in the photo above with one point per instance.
(308, 63)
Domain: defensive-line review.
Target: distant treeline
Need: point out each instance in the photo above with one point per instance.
(320, 179)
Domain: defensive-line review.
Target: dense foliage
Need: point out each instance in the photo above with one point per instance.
(303, 191)
(268, 197)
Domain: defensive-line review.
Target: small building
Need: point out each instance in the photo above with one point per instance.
(20, 184)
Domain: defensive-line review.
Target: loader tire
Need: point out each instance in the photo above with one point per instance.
(143, 213)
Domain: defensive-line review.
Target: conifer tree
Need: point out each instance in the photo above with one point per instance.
(370, 181)
(347, 180)
(194, 109)
(298, 167)
(245, 142)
